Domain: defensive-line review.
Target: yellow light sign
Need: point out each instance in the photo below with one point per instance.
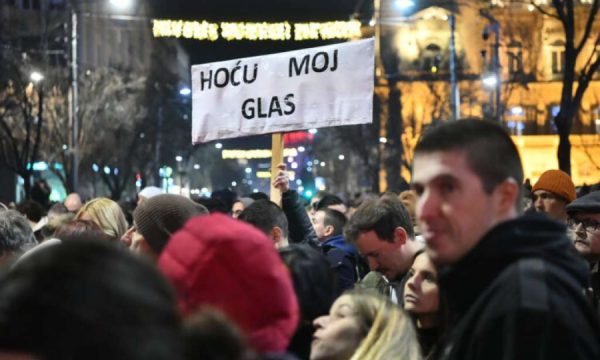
(267, 175)
(256, 31)
(327, 31)
(198, 30)
(255, 154)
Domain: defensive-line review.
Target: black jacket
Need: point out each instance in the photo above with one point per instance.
(519, 294)
(300, 227)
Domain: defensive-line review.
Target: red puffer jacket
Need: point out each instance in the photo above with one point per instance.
(221, 262)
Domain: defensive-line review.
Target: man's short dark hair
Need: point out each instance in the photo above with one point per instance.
(491, 153)
(265, 215)
(328, 200)
(335, 219)
(381, 215)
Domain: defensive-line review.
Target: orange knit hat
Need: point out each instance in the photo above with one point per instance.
(558, 183)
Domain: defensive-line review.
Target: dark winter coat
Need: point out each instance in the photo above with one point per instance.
(519, 294)
(300, 227)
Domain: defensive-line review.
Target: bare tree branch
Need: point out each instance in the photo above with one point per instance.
(560, 11)
(589, 25)
(542, 11)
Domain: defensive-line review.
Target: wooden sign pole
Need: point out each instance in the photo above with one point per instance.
(276, 159)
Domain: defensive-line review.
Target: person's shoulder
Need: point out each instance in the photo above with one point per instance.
(536, 284)
(373, 280)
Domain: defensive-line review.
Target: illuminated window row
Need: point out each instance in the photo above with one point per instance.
(203, 30)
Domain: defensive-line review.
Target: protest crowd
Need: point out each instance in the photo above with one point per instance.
(469, 263)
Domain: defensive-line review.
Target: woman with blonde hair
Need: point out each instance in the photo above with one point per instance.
(363, 325)
(107, 214)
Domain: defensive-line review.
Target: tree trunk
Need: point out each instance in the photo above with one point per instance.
(564, 143)
(393, 147)
(27, 184)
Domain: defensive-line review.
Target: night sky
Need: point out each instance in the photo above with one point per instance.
(247, 10)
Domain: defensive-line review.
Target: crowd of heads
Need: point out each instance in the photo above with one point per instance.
(395, 276)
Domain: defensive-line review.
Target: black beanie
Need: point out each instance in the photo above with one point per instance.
(160, 216)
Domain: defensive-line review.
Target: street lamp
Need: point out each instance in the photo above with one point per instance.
(404, 4)
(74, 98)
(490, 81)
(185, 91)
(494, 27)
(121, 4)
(36, 77)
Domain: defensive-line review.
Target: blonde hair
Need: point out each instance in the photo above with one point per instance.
(390, 333)
(107, 214)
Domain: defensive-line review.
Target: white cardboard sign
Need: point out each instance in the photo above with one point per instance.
(311, 88)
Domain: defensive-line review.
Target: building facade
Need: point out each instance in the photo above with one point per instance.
(414, 59)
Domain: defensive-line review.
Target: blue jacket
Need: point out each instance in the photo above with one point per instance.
(342, 258)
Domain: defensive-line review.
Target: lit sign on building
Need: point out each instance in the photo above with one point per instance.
(256, 31)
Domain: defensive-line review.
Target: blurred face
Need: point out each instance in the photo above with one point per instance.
(318, 221)
(546, 202)
(421, 292)
(585, 231)
(237, 209)
(453, 210)
(140, 246)
(383, 256)
(126, 239)
(338, 334)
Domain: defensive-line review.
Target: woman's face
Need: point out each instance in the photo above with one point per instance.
(421, 292)
(338, 334)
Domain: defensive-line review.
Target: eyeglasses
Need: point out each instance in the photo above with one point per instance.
(588, 224)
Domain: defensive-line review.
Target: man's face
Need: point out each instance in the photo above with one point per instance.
(383, 256)
(453, 210)
(237, 209)
(140, 246)
(546, 202)
(585, 230)
(318, 221)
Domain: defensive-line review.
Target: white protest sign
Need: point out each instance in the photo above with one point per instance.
(311, 88)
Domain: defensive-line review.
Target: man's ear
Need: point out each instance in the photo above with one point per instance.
(328, 230)
(505, 196)
(400, 235)
(277, 235)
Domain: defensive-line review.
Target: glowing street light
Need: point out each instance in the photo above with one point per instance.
(490, 80)
(36, 77)
(185, 91)
(404, 4)
(122, 4)
(178, 158)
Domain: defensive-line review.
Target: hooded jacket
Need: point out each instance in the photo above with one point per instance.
(519, 294)
(343, 259)
(231, 266)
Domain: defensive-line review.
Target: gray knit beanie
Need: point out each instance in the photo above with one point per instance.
(160, 216)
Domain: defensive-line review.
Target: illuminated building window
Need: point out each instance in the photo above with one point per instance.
(558, 57)
(515, 57)
(596, 119)
(432, 58)
(550, 125)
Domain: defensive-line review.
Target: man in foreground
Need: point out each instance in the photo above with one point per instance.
(514, 286)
